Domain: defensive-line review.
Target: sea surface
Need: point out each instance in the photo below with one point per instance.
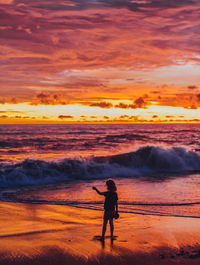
(156, 167)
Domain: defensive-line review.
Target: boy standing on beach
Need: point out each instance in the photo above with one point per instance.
(110, 206)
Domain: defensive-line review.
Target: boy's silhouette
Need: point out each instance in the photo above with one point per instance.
(110, 206)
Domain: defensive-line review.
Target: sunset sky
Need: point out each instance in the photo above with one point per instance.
(99, 61)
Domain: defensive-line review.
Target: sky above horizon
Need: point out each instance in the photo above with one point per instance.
(99, 61)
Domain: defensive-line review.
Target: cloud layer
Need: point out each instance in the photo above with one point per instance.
(56, 52)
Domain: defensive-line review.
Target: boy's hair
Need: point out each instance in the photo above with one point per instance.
(111, 185)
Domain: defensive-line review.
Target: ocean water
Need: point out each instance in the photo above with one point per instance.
(156, 167)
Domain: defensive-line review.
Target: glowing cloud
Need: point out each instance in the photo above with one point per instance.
(88, 57)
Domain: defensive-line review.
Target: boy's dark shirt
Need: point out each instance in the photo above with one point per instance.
(111, 199)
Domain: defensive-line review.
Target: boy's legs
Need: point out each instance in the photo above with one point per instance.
(105, 221)
(111, 227)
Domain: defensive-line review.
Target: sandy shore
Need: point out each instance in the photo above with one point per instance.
(46, 234)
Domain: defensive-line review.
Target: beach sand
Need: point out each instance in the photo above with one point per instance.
(49, 234)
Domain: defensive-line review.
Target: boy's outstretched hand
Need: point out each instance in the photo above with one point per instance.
(94, 188)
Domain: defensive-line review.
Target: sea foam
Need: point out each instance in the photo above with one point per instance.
(149, 161)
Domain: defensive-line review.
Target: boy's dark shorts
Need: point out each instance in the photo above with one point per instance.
(108, 214)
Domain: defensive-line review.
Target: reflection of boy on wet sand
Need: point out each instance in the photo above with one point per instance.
(110, 206)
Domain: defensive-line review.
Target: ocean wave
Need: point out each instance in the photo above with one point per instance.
(149, 161)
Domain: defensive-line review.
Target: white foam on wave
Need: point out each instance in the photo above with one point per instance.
(146, 161)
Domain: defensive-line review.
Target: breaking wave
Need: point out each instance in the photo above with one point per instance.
(148, 161)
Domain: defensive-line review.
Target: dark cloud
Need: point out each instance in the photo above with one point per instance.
(65, 117)
(91, 4)
(192, 87)
(185, 100)
(45, 98)
(10, 100)
(105, 105)
(138, 103)
(122, 106)
(198, 97)
(155, 92)
(136, 6)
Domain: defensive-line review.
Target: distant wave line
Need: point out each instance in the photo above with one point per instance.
(14, 199)
(93, 206)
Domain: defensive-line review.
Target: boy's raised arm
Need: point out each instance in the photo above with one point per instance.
(100, 193)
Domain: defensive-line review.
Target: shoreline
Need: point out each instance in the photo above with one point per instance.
(48, 234)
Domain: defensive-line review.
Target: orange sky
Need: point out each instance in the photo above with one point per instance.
(99, 61)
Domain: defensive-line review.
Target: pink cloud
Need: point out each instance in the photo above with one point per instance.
(41, 39)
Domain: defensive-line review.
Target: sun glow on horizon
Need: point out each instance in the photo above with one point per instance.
(27, 113)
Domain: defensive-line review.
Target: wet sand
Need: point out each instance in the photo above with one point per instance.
(48, 234)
